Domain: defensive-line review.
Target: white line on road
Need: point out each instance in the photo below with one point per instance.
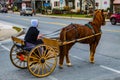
(4, 47)
(51, 77)
(111, 69)
(102, 66)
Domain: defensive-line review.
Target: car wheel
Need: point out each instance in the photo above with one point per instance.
(113, 21)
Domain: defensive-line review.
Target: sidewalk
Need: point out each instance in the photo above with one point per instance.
(6, 31)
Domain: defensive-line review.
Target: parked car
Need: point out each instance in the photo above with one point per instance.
(4, 10)
(26, 11)
(115, 18)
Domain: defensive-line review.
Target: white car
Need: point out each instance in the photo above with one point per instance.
(26, 11)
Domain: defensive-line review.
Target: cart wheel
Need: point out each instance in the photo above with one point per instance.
(42, 60)
(18, 57)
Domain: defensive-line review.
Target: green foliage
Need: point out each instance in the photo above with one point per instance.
(17, 28)
(15, 8)
(67, 8)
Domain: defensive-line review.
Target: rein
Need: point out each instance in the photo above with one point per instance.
(57, 31)
(53, 33)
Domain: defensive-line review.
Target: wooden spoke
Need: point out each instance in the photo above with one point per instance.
(39, 67)
(35, 69)
(50, 52)
(47, 66)
(24, 64)
(34, 58)
(36, 55)
(14, 54)
(44, 67)
(16, 60)
(49, 62)
(20, 63)
(39, 52)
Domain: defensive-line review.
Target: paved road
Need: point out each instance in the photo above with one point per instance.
(107, 56)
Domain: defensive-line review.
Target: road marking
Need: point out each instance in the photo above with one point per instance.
(8, 16)
(55, 23)
(112, 30)
(51, 77)
(110, 69)
(25, 19)
(102, 66)
(4, 47)
(77, 58)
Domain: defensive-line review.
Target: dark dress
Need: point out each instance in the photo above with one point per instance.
(31, 36)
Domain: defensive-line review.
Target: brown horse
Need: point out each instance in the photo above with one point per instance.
(77, 31)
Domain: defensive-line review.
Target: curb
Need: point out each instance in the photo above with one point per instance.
(7, 33)
(19, 33)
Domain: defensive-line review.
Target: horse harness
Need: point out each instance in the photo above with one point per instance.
(88, 25)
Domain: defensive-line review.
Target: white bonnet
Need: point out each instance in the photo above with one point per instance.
(34, 22)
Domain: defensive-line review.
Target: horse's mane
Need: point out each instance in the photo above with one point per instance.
(98, 17)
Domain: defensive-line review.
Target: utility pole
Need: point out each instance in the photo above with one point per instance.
(33, 6)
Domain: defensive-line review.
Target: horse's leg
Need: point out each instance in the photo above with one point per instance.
(92, 51)
(61, 57)
(68, 63)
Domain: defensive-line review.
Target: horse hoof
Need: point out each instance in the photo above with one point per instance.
(60, 67)
(92, 62)
(69, 64)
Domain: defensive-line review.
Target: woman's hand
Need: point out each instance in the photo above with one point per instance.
(39, 36)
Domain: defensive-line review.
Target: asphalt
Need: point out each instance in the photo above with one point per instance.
(7, 30)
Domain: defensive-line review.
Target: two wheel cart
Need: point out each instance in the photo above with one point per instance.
(40, 60)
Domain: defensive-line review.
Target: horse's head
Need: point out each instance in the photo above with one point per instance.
(99, 15)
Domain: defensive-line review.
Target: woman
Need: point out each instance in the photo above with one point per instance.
(32, 36)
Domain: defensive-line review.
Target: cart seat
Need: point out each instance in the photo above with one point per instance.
(28, 46)
(22, 44)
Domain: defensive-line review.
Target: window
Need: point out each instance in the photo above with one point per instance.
(78, 4)
(56, 3)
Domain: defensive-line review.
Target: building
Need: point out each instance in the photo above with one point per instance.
(116, 4)
(40, 5)
(103, 4)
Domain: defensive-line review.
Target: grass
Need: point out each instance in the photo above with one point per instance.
(17, 28)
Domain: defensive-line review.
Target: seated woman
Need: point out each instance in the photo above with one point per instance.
(33, 36)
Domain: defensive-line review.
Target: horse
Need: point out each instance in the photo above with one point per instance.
(77, 31)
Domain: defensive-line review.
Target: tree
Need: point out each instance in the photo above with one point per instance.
(93, 4)
(66, 1)
(111, 6)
